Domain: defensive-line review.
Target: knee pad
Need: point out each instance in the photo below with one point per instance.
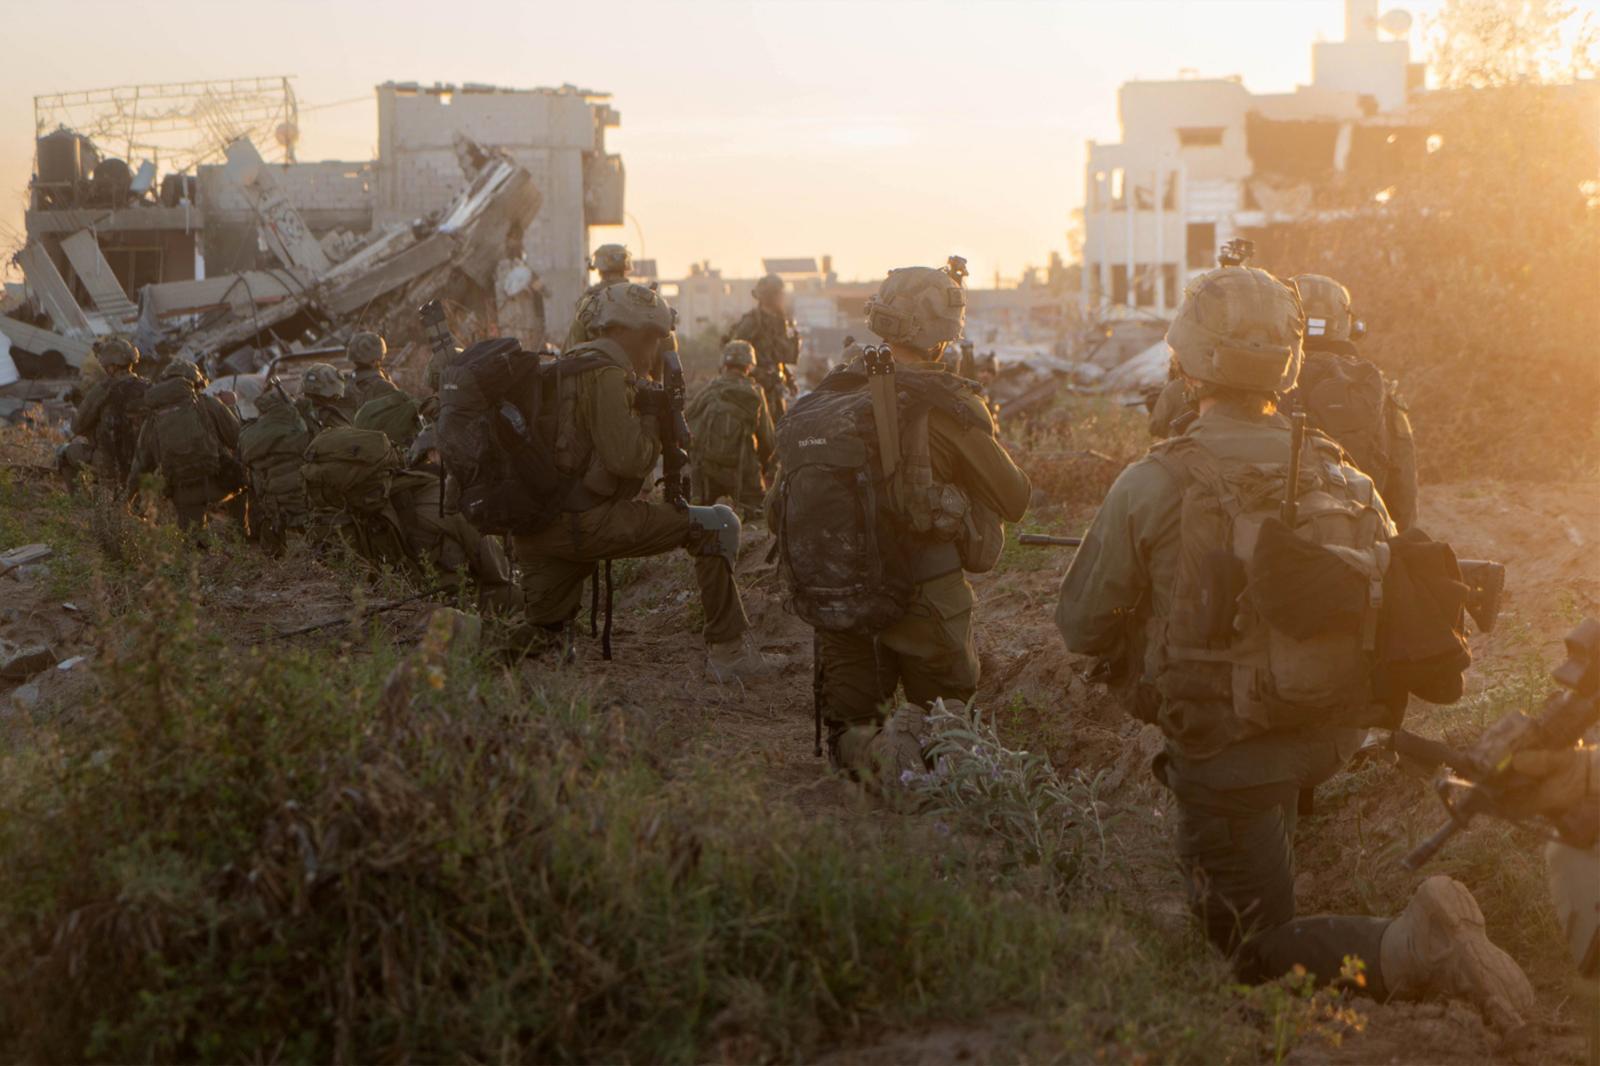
(715, 531)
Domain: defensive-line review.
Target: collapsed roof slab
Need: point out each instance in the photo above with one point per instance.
(89, 263)
(33, 339)
(46, 283)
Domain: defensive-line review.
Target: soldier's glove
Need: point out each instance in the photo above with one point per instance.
(1559, 781)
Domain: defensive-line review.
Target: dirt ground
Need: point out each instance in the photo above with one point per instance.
(1545, 534)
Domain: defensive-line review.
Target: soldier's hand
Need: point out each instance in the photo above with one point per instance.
(649, 400)
(1557, 781)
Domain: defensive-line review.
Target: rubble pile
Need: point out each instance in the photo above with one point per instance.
(307, 306)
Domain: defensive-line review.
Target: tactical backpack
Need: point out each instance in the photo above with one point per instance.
(349, 469)
(496, 434)
(851, 545)
(118, 429)
(273, 448)
(186, 445)
(1270, 627)
(724, 429)
(1345, 397)
(394, 414)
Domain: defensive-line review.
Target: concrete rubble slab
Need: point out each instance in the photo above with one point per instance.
(105, 292)
(47, 284)
(33, 339)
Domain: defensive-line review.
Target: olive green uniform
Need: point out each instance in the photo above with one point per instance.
(90, 422)
(932, 650)
(1397, 481)
(737, 476)
(442, 542)
(320, 412)
(368, 383)
(272, 449)
(191, 499)
(1237, 806)
(612, 450)
(777, 346)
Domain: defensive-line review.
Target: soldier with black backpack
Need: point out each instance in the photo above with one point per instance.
(893, 488)
(557, 454)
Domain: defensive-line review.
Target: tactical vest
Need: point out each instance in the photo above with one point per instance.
(1269, 628)
(273, 448)
(1346, 397)
(186, 445)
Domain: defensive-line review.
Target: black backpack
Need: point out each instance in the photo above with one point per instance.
(1345, 397)
(496, 434)
(841, 550)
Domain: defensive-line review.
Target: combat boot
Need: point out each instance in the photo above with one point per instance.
(1438, 947)
(883, 755)
(739, 660)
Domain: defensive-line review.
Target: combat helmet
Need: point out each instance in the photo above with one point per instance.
(922, 307)
(1327, 308)
(323, 381)
(116, 351)
(738, 353)
(771, 285)
(366, 349)
(185, 371)
(611, 259)
(1240, 328)
(628, 305)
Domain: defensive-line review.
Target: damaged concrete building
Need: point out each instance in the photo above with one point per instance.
(1204, 160)
(480, 195)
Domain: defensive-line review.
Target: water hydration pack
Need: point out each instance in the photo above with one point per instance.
(1270, 627)
(496, 434)
(1345, 397)
(348, 469)
(850, 554)
(186, 446)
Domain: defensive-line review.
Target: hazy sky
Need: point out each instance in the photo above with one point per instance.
(883, 132)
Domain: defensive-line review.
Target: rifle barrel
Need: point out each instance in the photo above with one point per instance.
(1046, 541)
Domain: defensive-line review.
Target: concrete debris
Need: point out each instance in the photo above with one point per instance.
(22, 556)
(67, 665)
(324, 289)
(25, 698)
(25, 662)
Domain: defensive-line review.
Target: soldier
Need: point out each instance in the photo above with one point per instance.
(324, 401)
(771, 333)
(271, 449)
(613, 263)
(732, 434)
(366, 352)
(1232, 698)
(924, 526)
(191, 439)
(609, 441)
(110, 415)
(1350, 400)
(1343, 395)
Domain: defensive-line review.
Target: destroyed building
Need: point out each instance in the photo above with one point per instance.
(202, 248)
(1204, 160)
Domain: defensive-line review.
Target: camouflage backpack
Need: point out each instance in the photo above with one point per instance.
(850, 549)
(118, 429)
(1270, 627)
(394, 414)
(186, 446)
(349, 469)
(724, 428)
(1345, 397)
(273, 448)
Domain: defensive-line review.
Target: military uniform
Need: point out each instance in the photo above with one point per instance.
(611, 450)
(932, 650)
(777, 345)
(271, 449)
(213, 476)
(433, 543)
(613, 263)
(738, 472)
(109, 418)
(1236, 776)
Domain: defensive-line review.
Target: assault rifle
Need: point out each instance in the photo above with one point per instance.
(1044, 540)
(1484, 780)
(1236, 252)
(674, 433)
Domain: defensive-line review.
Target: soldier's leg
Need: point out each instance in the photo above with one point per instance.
(935, 642)
(858, 683)
(1237, 850)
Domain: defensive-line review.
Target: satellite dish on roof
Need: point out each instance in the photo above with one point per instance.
(1396, 22)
